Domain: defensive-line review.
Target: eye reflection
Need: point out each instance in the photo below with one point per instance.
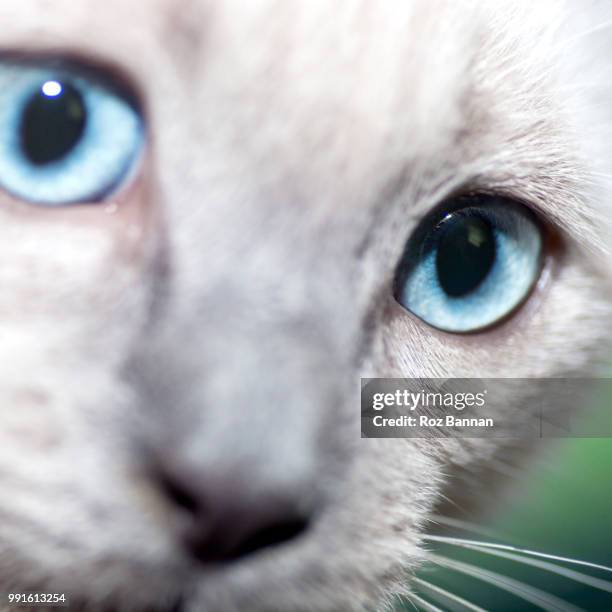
(52, 89)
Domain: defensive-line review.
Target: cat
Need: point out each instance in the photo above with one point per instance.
(181, 358)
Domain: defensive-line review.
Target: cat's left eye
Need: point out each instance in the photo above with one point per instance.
(470, 264)
(65, 137)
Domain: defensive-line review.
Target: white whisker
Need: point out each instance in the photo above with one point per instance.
(425, 605)
(596, 583)
(463, 525)
(524, 551)
(533, 595)
(448, 595)
(404, 599)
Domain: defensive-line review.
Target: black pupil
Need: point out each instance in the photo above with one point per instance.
(52, 122)
(465, 255)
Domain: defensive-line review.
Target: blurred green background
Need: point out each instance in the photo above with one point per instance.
(563, 506)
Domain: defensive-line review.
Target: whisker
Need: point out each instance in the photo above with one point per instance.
(424, 604)
(596, 583)
(507, 547)
(448, 595)
(463, 525)
(405, 599)
(524, 591)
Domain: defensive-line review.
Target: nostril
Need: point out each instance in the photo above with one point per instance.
(178, 494)
(271, 536)
(225, 518)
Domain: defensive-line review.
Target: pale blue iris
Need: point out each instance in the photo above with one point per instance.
(96, 166)
(518, 247)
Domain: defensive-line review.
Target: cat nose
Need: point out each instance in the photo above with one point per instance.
(222, 514)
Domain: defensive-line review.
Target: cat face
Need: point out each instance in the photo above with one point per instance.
(181, 357)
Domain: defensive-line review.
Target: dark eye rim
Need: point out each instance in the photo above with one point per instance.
(420, 239)
(69, 65)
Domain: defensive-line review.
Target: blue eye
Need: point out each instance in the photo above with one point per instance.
(64, 137)
(472, 265)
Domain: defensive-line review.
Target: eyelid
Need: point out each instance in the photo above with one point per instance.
(106, 74)
(554, 229)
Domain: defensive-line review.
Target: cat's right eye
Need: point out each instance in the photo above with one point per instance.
(65, 137)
